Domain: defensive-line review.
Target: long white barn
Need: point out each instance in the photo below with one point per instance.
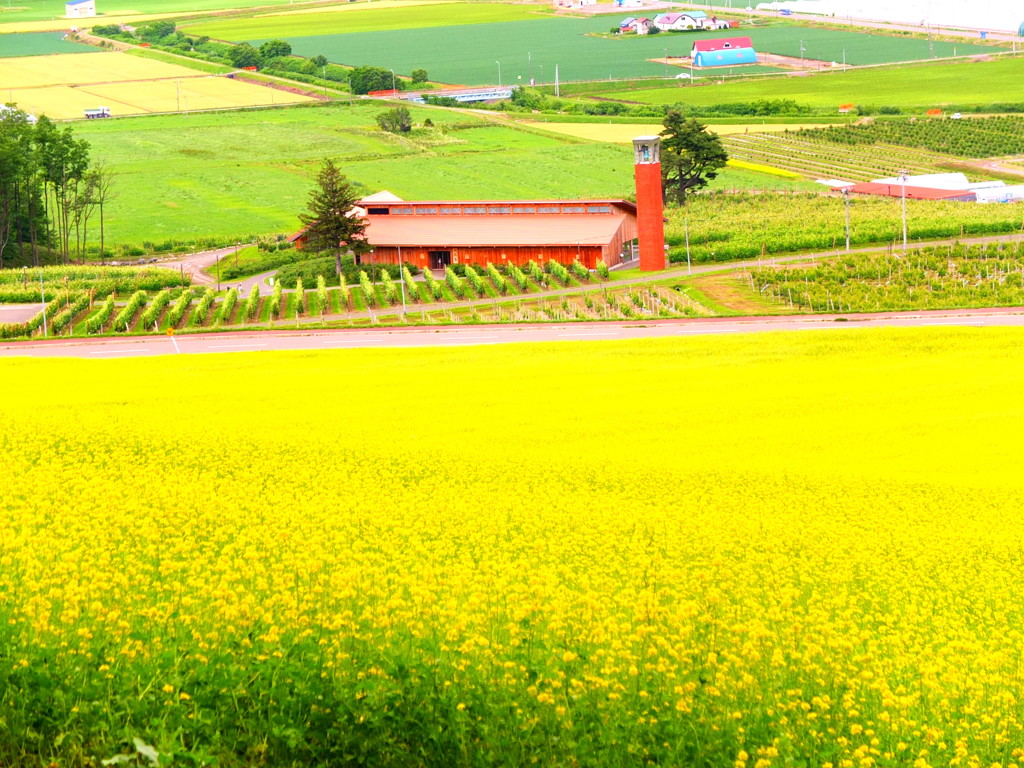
(998, 15)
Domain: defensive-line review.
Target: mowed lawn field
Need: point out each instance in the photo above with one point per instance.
(235, 175)
(64, 85)
(788, 550)
(38, 44)
(425, 36)
(931, 85)
(53, 10)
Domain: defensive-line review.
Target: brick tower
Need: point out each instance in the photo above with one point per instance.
(649, 205)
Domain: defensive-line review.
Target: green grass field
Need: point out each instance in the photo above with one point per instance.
(191, 176)
(533, 48)
(38, 44)
(347, 20)
(961, 83)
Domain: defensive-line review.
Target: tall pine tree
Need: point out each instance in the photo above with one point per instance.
(690, 156)
(330, 224)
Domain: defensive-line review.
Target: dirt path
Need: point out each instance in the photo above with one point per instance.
(194, 263)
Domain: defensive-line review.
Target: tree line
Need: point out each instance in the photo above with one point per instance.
(273, 57)
(50, 194)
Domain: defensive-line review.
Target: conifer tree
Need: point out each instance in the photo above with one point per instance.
(330, 224)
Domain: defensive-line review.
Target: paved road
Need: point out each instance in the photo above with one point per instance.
(455, 336)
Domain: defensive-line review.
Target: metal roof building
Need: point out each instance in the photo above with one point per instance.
(912, 192)
(723, 52)
(433, 234)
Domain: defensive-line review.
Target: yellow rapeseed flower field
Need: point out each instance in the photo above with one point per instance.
(774, 550)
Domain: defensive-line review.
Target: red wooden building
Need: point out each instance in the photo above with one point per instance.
(433, 234)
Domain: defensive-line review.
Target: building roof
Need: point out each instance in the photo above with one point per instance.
(627, 21)
(911, 192)
(721, 43)
(614, 202)
(667, 18)
(728, 57)
(468, 231)
(695, 14)
(382, 197)
(78, 2)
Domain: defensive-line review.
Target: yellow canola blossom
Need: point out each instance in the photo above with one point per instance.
(781, 549)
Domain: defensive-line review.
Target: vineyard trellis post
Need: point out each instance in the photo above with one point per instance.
(903, 199)
(846, 194)
(42, 296)
(686, 230)
(401, 280)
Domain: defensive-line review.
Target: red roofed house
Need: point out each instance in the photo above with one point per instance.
(640, 26)
(720, 44)
(437, 233)
(723, 52)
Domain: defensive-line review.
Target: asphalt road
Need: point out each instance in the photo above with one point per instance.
(455, 336)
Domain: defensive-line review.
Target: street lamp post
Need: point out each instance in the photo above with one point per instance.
(903, 200)
(394, 83)
(665, 51)
(802, 49)
(499, 73)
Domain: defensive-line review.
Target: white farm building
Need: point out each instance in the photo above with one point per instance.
(1005, 16)
(80, 9)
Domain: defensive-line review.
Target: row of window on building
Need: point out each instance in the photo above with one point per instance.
(461, 210)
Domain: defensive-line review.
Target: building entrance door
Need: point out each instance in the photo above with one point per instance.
(440, 259)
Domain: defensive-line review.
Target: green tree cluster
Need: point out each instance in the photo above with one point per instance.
(366, 79)
(49, 193)
(245, 55)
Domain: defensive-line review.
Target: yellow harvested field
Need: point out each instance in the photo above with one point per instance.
(197, 93)
(62, 102)
(82, 69)
(623, 133)
(128, 85)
